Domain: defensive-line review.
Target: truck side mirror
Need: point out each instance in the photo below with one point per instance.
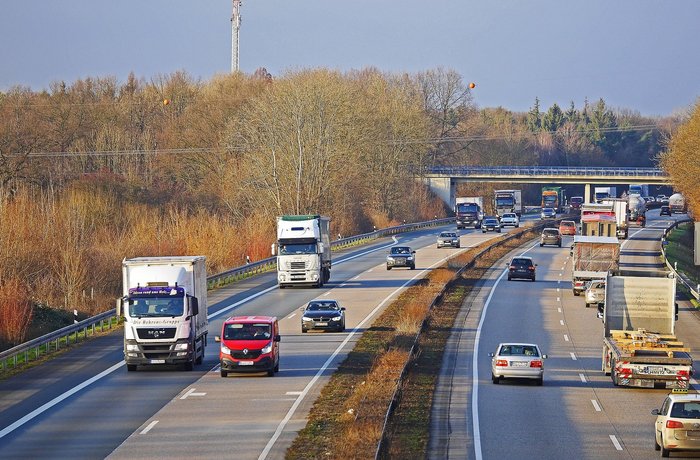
(217, 338)
(273, 249)
(321, 248)
(277, 338)
(194, 306)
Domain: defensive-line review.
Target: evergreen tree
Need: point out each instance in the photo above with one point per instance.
(534, 118)
(553, 119)
(572, 114)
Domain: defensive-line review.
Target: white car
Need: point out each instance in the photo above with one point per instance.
(510, 219)
(517, 360)
(676, 424)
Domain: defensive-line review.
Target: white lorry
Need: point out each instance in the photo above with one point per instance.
(469, 211)
(601, 193)
(621, 208)
(303, 250)
(164, 305)
(508, 201)
(638, 189)
(637, 206)
(593, 257)
(677, 203)
(640, 348)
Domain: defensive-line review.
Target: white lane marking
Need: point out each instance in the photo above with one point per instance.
(10, 428)
(559, 309)
(582, 377)
(357, 277)
(475, 368)
(150, 425)
(327, 293)
(561, 321)
(558, 299)
(596, 406)
(191, 392)
(566, 338)
(558, 289)
(273, 399)
(307, 388)
(559, 281)
(370, 270)
(291, 316)
(560, 274)
(293, 393)
(573, 356)
(615, 442)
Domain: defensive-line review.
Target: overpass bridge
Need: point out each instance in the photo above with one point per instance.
(443, 179)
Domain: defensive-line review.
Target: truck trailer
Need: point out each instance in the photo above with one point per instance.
(640, 348)
(593, 257)
(164, 305)
(621, 209)
(303, 250)
(469, 211)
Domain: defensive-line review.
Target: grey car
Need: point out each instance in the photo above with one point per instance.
(595, 293)
(548, 213)
(450, 239)
(491, 225)
(517, 360)
(401, 256)
(550, 236)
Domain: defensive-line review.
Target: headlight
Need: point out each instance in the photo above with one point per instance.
(181, 346)
(130, 347)
(226, 350)
(336, 318)
(389, 259)
(267, 348)
(306, 318)
(410, 258)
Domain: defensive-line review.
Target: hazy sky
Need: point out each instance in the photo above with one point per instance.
(638, 54)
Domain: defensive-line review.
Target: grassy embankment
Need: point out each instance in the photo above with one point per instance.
(680, 250)
(346, 420)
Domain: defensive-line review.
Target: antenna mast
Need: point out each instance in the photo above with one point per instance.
(235, 32)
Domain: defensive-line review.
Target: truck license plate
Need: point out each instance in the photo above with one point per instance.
(245, 363)
(157, 361)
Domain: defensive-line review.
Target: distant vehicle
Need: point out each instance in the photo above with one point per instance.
(665, 211)
(595, 293)
(638, 189)
(601, 193)
(678, 417)
(510, 219)
(491, 225)
(303, 250)
(637, 207)
(677, 203)
(593, 257)
(575, 203)
(567, 227)
(663, 199)
(553, 197)
(401, 256)
(550, 236)
(517, 360)
(450, 239)
(522, 268)
(249, 344)
(508, 201)
(548, 213)
(323, 314)
(469, 211)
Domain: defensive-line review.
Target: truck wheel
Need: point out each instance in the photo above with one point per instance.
(224, 373)
(282, 286)
(189, 366)
(131, 367)
(576, 293)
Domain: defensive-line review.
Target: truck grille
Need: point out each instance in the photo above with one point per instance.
(297, 265)
(156, 332)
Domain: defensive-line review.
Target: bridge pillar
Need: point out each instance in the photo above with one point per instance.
(443, 187)
(587, 193)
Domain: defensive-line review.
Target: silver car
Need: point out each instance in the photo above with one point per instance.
(517, 360)
(677, 426)
(548, 213)
(450, 239)
(595, 293)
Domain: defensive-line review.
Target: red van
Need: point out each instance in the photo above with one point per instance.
(249, 344)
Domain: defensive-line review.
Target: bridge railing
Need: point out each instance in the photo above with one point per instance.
(543, 171)
(64, 337)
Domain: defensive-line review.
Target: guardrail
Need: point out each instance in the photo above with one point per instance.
(694, 290)
(381, 445)
(61, 338)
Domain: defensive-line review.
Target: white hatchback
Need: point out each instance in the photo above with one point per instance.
(510, 219)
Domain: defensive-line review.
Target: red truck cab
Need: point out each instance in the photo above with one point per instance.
(249, 344)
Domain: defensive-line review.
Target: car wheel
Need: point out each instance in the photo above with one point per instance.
(304, 330)
(509, 278)
(664, 452)
(224, 373)
(131, 367)
(483, 231)
(495, 379)
(388, 268)
(277, 367)
(498, 231)
(576, 293)
(540, 381)
(189, 366)
(517, 226)
(541, 244)
(271, 373)
(559, 244)
(413, 267)
(533, 279)
(588, 305)
(458, 246)
(657, 447)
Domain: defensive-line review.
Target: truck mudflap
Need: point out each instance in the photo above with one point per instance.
(645, 375)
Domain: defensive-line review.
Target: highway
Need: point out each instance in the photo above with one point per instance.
(578, 413)
(84, 404)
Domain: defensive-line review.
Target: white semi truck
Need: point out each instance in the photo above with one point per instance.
(640, 347)
(164, 305)
(303, 250)
(508, 201)
(601, 193)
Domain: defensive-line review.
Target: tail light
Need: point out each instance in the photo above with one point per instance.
(512, 267)
(501, 363)
(536, 363)
(683, 373)
(673, 424)
(532, 269)
(625, 370)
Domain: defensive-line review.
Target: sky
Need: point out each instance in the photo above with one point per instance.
(640, 55)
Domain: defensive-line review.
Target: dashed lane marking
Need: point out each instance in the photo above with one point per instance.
(150, 425)
(596, 406)
(615, 442)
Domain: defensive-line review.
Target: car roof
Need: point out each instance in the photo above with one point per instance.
(520, 344)
(567, 222)
(522, 257)
(250, 319)
(675, 397)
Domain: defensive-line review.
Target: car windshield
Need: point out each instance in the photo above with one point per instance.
(509, 216)
(548, 210)
(491, 221)
(401, 250)
(156, 306)
(686, 409)
(567, 224)
(247, 331)
(550, 232)
(525, 262)
(518, 350)
(447, 235)
(322, 306)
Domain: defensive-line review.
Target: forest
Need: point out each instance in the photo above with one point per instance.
(95, 171)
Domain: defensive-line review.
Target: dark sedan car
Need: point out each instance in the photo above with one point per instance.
(401, 256)
(665, 211)
(491, 225)
(323, 314)
(521, 267)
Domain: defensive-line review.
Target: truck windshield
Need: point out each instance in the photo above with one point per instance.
(467, 207)
(549, 200)
(297, 248)
(156, 306)
(504, 201)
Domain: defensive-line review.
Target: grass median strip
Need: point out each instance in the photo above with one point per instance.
(347, 419)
